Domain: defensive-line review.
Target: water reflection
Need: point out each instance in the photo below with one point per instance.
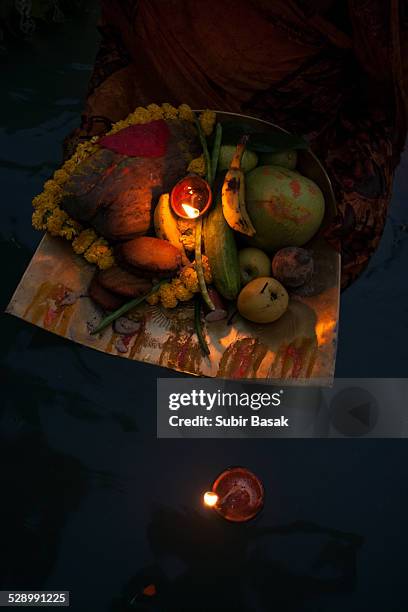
(204, 563)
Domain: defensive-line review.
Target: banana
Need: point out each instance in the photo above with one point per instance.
(233, 196)
(165, 225)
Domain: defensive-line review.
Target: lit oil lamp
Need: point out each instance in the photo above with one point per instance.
(237, 495)
(191, 197)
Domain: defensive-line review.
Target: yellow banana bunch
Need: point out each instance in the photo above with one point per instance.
(165, 225)
(233, 196)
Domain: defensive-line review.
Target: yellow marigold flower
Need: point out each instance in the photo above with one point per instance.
(185, 112)
(68, 232)
(106, 259)
(119, 125)
(180, 290)
(153, 299)
(60, 176)
(84, 150)
(84, 241)
(187, 233)
(140, 115)
(188, 241)
(38, 221)
(38, 200)
(197, 165)
(167, 297)
(169, 111)
(51, 200)
(45, 201)
(206, 268)
(207, 120)
(55, 221)
(188, 276)
(70, 229)
(155, 112)
(70, 165)
(97, 251)
(74, 224)
(51, 187)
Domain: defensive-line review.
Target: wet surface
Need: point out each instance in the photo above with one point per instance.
(94, 504)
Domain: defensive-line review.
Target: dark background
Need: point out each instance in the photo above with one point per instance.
(91, 502)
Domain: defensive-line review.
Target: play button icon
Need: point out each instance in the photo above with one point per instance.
(362, 413)
(354, 412)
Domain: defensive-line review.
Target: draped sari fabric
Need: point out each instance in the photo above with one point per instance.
(334, 72)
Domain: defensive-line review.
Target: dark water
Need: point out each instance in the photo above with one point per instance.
(91, 502)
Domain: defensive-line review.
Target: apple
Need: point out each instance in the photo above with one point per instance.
(227, 152)
(253, 263)
(293, 266)
(263, 300)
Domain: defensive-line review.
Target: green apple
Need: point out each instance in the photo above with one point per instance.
(227, 152)
(253, 263)
(263, 300)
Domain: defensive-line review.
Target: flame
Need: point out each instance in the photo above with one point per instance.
(210, 499)
(190, 211)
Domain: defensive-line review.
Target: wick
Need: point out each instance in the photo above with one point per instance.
(264, 287)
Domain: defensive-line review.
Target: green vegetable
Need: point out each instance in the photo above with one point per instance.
(199, 265)
(199, 223)
(222, 252)
(198, 326)
(216, 151)
(203, 143)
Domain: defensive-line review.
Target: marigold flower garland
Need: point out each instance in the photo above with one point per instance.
(50, 217)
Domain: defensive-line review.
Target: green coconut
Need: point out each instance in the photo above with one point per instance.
(285, 207)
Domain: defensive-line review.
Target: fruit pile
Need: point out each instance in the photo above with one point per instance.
(265, 203)
(244, 248)
(235, 245)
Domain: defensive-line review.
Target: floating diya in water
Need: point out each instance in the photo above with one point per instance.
(191, 197)
(237, 495)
